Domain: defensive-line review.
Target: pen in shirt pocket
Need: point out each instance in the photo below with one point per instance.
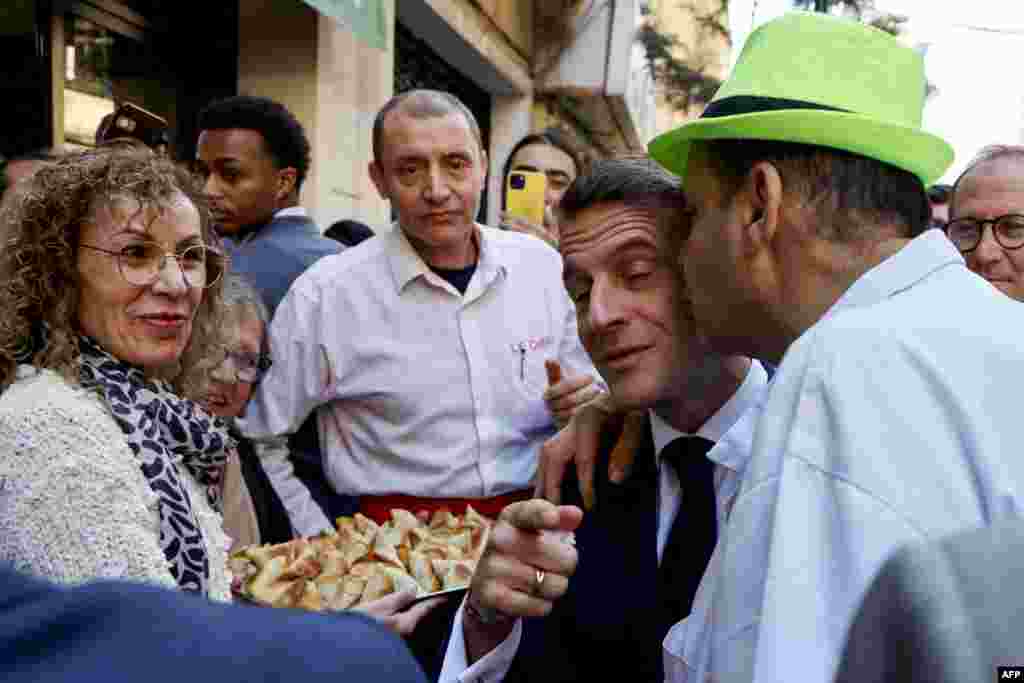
(521, 347)
(532, 344)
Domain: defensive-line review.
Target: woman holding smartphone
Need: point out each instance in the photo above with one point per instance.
(550, 153)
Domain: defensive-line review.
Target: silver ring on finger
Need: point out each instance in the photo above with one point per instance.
(538, 585)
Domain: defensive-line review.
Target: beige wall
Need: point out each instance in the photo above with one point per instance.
(334, 84)
(277, 55)
(354, 81)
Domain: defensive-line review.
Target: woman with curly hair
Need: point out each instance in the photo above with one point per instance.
(111, 291)
(110, 287)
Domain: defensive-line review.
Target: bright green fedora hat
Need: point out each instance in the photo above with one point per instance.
(820, 80)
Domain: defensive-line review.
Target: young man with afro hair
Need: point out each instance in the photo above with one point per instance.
(253, 156)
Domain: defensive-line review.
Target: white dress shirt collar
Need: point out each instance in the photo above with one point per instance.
(921, 257)
(663, 433)
(731, 431)
(407, 264)
(721, 422)
(291, 211)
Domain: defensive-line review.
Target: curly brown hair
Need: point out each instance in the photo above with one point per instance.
(39, 281)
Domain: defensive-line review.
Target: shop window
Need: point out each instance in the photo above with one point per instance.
(25, 124)
(111, 56)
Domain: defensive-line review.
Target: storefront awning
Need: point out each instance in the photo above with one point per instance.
(365, 18)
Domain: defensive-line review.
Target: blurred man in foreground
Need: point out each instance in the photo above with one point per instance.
(121, 632)
(951, 607)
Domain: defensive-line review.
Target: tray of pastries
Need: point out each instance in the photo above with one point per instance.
(362, 560)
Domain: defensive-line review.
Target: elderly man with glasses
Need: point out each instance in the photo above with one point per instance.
(987, 211)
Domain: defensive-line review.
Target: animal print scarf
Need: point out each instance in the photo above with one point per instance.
(164, 430)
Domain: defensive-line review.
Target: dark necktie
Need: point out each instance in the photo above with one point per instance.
(694, 532)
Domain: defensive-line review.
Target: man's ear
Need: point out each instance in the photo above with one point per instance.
(377, 176)
(764, 197)
(287, 179)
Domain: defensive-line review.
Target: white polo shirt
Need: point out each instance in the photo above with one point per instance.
(418, 389)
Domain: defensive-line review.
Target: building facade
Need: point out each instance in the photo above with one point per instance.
(698, 44)
(520, 65)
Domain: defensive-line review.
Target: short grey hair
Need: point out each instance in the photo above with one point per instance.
(422, 104)
(240, 294)
(987, 155)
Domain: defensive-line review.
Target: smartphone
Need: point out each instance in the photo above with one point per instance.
(132, 121)
(525, 195)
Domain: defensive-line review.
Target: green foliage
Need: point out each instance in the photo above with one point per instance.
(890, 23)
(677, 67)
(858, 6)
(863, 10)
(572, 111)
(681, 73)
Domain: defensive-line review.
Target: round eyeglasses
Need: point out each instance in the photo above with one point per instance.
(247, 367)
(966, 233)
(141, 263)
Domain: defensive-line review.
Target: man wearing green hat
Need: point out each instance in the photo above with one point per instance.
(894, 416)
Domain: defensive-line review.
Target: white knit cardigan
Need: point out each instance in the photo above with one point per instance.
(74, 504)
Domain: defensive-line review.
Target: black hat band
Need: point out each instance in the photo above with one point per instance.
(749, 104)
